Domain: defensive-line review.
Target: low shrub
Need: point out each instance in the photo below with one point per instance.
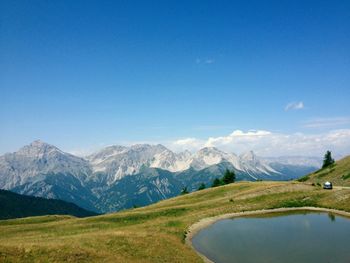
(304, 178)
(345, 176)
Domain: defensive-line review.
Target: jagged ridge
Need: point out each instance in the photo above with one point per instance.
(119, 177)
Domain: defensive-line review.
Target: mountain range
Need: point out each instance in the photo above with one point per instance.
(119, 177)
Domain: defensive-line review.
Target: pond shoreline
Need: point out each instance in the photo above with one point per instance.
(205, 222)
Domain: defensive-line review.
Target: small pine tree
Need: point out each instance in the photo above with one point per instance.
(328, 160)
(201, 187)
(216, 182)
(184, 191)
(229, 177)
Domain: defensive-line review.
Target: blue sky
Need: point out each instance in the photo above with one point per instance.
(84, 74)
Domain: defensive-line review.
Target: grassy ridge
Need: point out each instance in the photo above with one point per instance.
(154, 233)
(338, 174)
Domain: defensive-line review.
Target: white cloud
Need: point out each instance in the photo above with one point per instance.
(82, 152)
(186, 141)
(187, 144)
(268, 143)
(235, 136)
(294, 106)
(327, 122)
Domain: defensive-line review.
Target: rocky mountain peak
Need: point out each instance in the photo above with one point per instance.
(249, 156)
(207, 150)
(38, 149)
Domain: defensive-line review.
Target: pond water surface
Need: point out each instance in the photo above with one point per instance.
(294, 237)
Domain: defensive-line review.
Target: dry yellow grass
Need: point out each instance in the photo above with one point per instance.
(154, 233)
(338, 174)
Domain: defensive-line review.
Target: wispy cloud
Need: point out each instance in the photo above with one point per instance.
(209, 61)
(327, 122)
(191, 144)
(205, 61)
(267, 143)
(263, 142)
(82, 152)
(295, 105)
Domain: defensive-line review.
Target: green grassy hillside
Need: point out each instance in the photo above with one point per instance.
(338, 174)
(13, 205)
(150, 234)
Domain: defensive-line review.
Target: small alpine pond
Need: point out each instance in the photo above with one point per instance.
(289, 237)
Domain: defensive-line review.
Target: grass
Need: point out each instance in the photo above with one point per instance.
(325, 171)
(154, 233)
(338, 174)
(304, 178)
(303, 202)
(346, 176)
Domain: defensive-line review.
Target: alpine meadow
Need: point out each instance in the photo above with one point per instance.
(175, 131)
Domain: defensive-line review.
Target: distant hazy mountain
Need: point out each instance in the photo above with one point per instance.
(294, 166)
(296, 160)
(118, 177)
(13, 205)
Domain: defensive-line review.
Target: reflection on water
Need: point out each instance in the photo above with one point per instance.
(331, 216)
(303, 237)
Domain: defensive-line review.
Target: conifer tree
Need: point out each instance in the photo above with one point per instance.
(216, 182)
(327, 160)
(184, 191)
(201, 187)
(229, 177)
